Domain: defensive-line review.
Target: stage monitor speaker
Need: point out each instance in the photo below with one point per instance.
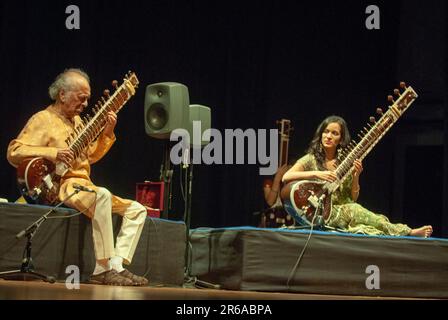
(166, 108)
(203, 115)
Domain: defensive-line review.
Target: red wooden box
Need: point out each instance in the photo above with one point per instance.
(150, 194)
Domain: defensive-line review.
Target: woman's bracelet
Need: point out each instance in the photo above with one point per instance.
(357, 190)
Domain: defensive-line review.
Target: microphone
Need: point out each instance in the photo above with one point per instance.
(20, 234)
(320, 222)
(186, 160)
(82, 188)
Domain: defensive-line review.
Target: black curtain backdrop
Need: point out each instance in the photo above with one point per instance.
(252, 63)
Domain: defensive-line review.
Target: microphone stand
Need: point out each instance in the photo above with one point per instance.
(320, 222)
(27, 268)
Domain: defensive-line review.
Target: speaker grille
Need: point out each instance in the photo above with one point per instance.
(156, 116)
(166, 108)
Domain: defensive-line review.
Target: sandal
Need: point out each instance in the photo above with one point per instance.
(136, 280)
(110, 278)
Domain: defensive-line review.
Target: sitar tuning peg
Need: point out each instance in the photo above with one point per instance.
(379, 111)
(403, 85)
(390, 98)
(115, 84)
(397, 92)
(107, 93)
(372, 119)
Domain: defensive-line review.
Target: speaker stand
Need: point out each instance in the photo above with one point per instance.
(189, 280)
(166, 174)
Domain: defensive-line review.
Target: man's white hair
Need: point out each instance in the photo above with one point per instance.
(64, 82)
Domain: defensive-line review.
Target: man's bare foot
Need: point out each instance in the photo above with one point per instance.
(424, 231)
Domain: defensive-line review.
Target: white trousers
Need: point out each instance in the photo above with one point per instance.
(131, 228)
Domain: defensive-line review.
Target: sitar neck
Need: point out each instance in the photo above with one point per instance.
(92, 126)
(285, 128)
(370, 136)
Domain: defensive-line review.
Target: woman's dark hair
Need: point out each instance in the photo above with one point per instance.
(316, 148)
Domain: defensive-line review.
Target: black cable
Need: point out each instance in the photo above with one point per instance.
(294, 269)
(180, 180)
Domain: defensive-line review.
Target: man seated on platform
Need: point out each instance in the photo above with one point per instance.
(45, 135)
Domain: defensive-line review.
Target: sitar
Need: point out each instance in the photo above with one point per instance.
(307, 199)
(276, 216)
(39, 178)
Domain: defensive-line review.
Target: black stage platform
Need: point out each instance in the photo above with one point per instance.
(253, 259)
(242, 258)
(61, 242)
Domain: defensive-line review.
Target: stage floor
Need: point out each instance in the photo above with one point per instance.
(246, 262)
(38, 290)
